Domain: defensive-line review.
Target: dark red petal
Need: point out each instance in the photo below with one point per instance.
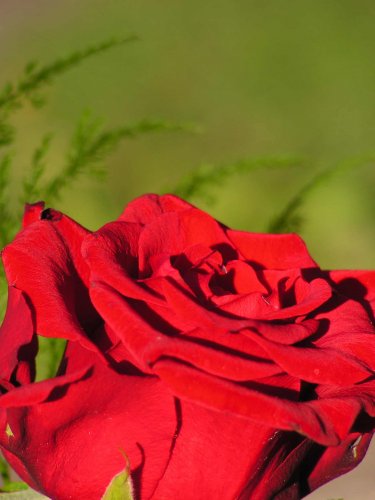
(272, 251)
(340, 459)
(281, 476)
(17, 337)
(358, 285)
(349, 331)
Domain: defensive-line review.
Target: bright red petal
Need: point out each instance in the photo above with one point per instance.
(82, 431)
(272, 251)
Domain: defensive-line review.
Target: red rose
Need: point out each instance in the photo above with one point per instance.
(225, 364)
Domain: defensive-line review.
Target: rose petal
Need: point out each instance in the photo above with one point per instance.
(44, 261)
(256, 306)
(358, 285)
(210, 441)
(32, 213)
(172, 232)
(18, 341)
(148, 207)
(272, 251)
(111, 254)
(148, 344)
(317, 365)
(82, 433)
(339, 459)
(193, 385)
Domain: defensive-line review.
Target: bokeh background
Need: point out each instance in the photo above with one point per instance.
(261, 78)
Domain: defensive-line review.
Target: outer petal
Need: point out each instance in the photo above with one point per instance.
(148, 207)
(214, 456)
(348, 330)
(339, 460)
(32, 213)
(73, 443)
(18, 341)
(45, 262)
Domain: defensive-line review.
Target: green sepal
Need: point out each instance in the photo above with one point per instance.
(121, 487)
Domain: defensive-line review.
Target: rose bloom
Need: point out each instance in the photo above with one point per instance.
(222, 363)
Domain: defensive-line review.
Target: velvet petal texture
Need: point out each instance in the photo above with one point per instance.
(70, 434)
(223, 364)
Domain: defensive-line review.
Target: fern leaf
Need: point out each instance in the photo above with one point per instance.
(290, 219)
(90, 145)
(31, 189)
(6, 220)
(6, 132)
(198, 182)
(34, 77)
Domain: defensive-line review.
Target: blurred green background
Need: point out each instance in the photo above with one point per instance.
(261, 78)
(292, 77)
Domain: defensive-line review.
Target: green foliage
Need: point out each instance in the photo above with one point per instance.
(198, 183)
(31, 183)
(34, 77)
(14, 486)
(121, 485)
(90, 145)
(291, 219)
(6, 219)
(4, 470)
(50, 353)
(8, 484)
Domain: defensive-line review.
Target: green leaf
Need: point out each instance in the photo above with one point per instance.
(120, 488)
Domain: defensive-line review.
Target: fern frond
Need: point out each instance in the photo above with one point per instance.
(290, 219)
(6, 132)
(34, 77)
(90, 145)
(31, 185)
(198, 182)
(6, 220)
